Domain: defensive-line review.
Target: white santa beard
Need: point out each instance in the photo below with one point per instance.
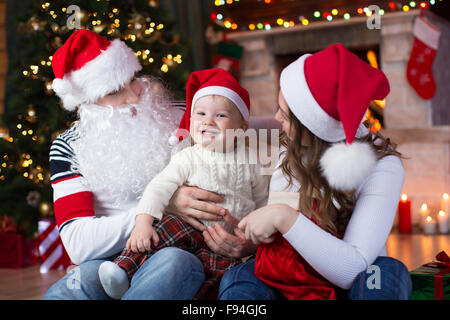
(120, 149)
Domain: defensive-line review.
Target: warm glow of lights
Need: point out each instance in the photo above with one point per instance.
(381, 103)
(404, 197)
(441, 213)
(252, 26)
(371, 56)
(445, 196)
(429, 219)
(424, 207)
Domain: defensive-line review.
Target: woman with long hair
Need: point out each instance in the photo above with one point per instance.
(348, 180)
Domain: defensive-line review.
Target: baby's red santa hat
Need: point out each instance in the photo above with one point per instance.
(88, 67)
(208, 82)
(329, 93)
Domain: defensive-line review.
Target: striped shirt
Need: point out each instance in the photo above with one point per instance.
(72, 199)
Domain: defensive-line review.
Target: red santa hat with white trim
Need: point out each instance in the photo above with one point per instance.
(88, 67)
(214, 81)
(329, 93)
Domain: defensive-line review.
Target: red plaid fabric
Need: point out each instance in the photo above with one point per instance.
(175, 232)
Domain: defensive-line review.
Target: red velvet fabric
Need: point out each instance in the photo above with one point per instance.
(280, 266)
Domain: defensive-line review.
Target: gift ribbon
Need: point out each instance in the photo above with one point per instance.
(444, 263)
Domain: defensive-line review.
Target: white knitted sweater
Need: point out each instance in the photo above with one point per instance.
(239, 182)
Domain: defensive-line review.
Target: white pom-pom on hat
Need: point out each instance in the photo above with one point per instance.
(173, 140)
(345, 166)
(61, 86)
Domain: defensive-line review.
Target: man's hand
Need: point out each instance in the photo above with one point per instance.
(190, 204)
(226, 244)
(142, 235)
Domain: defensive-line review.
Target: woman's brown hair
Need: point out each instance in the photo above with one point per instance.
(302, 163)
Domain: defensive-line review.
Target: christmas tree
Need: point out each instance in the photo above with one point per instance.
(33, 115)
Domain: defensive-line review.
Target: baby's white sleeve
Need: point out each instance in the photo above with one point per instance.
(158, 192)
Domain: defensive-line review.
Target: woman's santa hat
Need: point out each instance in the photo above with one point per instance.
(329, 93)
(88, 67)
(208, 82)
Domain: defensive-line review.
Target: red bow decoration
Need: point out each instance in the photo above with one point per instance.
(444, 264)
(7, 224)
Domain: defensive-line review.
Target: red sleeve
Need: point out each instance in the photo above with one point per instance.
(71, 200)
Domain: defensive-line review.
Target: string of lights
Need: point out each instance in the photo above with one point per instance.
(306, 18)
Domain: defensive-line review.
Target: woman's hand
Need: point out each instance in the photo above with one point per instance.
(261, 224)
(189, 203)
(226, 244)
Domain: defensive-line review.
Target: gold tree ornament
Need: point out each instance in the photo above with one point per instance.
(31, 114)
(153, 3)
(45, 209)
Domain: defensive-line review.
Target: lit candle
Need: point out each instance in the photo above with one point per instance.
(423, 214)
(445, 203)
(443, 222)
(404, 215)
(429, 226)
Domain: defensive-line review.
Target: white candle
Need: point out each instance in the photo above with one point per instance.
(445, 204)
(443, 222)
(429, 226)
(423, 214)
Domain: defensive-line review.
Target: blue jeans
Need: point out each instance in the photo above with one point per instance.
(170, 274)
(394, 283)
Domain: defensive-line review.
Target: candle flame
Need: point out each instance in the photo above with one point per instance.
(441, 213)
(445, 196)
(429, 219)
(404, 197)
(424, 206)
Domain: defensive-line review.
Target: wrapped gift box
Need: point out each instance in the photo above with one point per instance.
(431, 281)
(16, 251)
(53, 256)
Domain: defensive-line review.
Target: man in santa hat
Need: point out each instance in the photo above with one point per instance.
(102, 163)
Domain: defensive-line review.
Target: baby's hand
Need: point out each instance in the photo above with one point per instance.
(142, 235)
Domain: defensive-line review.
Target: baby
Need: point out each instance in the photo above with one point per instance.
(215, 104)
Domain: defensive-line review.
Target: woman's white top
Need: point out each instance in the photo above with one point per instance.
(340, 261)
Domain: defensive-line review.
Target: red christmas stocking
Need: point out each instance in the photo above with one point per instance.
(419, 69)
